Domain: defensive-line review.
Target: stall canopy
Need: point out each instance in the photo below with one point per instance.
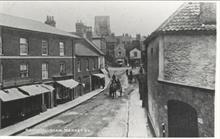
(49, 87)
(11, 94)
(99, 75)
(70, 83)
(33, 90)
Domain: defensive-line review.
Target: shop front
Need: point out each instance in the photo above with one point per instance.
(12, 106)
(98, 81)
(65, 90)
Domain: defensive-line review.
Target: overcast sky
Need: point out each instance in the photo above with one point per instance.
(125, 17)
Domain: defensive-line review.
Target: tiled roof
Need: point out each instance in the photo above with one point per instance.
(82, 50)
(185, 18)
(94, 46)
(31, 25)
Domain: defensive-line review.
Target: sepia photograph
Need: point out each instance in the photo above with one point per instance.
(140, 69)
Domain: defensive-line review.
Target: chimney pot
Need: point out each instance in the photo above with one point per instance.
(207, 13)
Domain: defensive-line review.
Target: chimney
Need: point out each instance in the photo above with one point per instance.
(50, 21)
(207, 13)
(89, 32)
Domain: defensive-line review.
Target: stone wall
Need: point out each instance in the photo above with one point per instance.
(190, 60)
(181, 67)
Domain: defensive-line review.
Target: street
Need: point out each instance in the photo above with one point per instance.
(100, 116)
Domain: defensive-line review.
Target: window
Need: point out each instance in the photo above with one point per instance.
(62, 68)
(1, 51)
(23, 46)
(61, 44)
(23, 70)
(87, 64)
(135, 54)
(44, 71)
(44, 48)
(78, 65)
(119, 53)
(94, 63)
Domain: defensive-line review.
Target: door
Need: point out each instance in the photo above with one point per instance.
(182, 120)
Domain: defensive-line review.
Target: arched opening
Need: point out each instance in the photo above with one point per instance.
(182, 120)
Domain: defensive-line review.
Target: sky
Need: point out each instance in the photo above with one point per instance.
(125, 16)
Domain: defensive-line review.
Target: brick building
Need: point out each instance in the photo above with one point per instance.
(180, 79)
(88, 66)
(38, 67)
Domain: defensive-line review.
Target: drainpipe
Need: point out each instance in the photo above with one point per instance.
(73, 66)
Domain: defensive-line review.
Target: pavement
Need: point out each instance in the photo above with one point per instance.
(50, 113)
(137, 122)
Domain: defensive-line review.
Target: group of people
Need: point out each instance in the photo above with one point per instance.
(129, 75)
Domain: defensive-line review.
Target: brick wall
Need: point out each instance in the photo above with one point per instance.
(11, 64)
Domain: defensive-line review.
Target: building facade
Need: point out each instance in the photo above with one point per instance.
(135, 57)
(36, 64)
(120, 54)
(180, 79)
(88, 66)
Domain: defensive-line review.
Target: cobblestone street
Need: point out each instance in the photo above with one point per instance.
(100, 116)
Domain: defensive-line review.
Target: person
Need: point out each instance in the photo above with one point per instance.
(113, 86)
(127, 72)
(131, 76)
(119, 86)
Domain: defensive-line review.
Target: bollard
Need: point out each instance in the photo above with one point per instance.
(163, 130)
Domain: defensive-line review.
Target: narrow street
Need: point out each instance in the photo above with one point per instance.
(100, 116)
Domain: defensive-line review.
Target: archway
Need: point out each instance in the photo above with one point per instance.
(182, 120)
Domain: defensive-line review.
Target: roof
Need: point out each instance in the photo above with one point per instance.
(94, 46)
(33, 90)
(11, 94)
(135, 49)
(185, 18)
(31, 25)
(70, 83)
(82, 50)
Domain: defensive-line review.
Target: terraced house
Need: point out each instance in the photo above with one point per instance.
(180, 65)
(37, 67)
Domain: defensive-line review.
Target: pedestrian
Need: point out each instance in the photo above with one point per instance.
(127, 72)
(119, 86)
(131, 76)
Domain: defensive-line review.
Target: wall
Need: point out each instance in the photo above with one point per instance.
(132, 54)
(190, 60)
(198, 51)
(12, 59)
(84, 73)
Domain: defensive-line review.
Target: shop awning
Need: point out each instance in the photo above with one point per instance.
(11, 94)
(70, 83)
(104, 71)
(99, 75)
(49, 87)
(33, 90)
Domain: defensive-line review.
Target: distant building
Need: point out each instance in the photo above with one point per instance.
(83, 30)
(100, 42)
(135, 57)
(120, 54)
(111, 42)
(102, 25)
(180, 65)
